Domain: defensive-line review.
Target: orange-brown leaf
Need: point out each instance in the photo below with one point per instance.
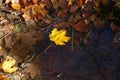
(114, 27)
(81, 26)
(62, 25)
(80, 2)
(35, 1)
(24, 2)
(2, 77)
(48, 3)
(62, 4)
(26, 13)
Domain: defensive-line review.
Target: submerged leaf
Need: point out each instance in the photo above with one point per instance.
(59, 37)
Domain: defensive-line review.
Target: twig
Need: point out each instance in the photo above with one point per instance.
(5, 35)
(38, 56)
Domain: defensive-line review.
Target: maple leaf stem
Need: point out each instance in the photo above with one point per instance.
(44, 51)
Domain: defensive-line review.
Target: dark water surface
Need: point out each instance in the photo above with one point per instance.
(98, 60)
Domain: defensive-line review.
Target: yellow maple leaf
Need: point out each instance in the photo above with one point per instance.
(16, 6)
(59, 37)
(8, 65)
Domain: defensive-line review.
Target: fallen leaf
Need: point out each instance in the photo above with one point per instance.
(70, 2)
(2, 77)
(105, 2)
(16, 6)
(62, 4)
(96, 5)
(73, 8)
(26, 13)
(35, 1)
(62, 25)
(55, 4)
(98, 22)
(80, 2)
(59, 37)
(25, 2)
(8, 65)
(114, 27)
(39, 9)
(81, 26)
(48, 3)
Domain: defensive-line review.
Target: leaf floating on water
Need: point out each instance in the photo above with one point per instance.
(59, 37)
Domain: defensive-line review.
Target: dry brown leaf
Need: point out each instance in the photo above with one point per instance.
(96, 5)
(26, 13)
(62, 13)
(98, 22)
(47, 3)
(2, 77)
(86, 14)
(39, 9)
(62, 25)
(80, 2)
(114, 27)
(44, 13)
(35, 1)
(25, 2)
(73, 8)
(62, 4)
(81, 26)
(105, 2)
(34, 11)
(70, 2)
(55, 4)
